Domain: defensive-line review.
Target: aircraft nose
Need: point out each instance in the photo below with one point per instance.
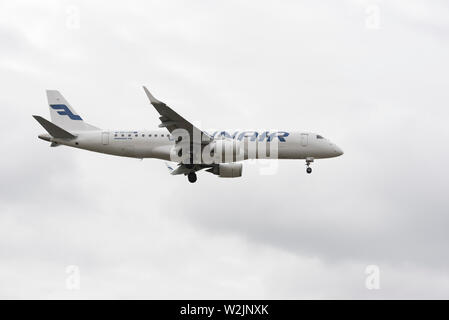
(338, 151)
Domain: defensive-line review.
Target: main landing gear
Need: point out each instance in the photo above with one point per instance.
(192, 177)
(308, 162)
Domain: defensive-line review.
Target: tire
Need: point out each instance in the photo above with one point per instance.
(192, 177)
(309, 170)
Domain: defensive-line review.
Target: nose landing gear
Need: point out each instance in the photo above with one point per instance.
(192, 177)
(308, 162)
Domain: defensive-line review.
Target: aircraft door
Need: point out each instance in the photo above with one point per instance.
(105, 138)
(304, 139)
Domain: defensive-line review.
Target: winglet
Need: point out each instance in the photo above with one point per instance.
(169, 167)
(153, 100)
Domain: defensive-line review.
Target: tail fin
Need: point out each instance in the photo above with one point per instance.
(63, 115)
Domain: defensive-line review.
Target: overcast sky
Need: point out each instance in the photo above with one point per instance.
(372, 76)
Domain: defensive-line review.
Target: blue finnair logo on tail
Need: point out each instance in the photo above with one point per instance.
(65, 111)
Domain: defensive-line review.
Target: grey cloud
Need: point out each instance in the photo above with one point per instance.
(135, 231)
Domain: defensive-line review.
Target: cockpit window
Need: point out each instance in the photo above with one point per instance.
(319, 137)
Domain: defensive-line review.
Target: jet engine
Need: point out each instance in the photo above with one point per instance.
(227, 170)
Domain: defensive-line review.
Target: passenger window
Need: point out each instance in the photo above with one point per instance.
(155, 135)
(162, 135)
(123, 135)
(143, 135)
(149, 136)
(319, 137)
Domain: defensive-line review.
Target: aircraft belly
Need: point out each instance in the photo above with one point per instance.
(160, 152)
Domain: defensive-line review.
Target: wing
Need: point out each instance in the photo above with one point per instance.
(172, 120)
(186, 169)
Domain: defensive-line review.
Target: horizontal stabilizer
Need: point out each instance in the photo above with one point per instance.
(54, 130)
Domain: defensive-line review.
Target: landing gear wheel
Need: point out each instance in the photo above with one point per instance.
(308, 162)
(192, 177)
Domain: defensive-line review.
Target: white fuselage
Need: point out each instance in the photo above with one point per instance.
(159, 144)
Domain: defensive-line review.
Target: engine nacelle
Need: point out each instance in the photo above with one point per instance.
(225, 150)
(227, 170)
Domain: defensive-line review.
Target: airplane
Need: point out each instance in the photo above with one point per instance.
(220, 152)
